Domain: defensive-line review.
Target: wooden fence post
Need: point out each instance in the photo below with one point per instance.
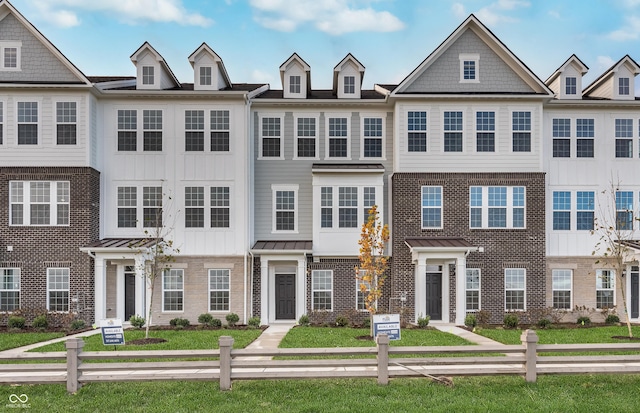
(74, 348)
(529, 340)
(383, 358)
(225, 344)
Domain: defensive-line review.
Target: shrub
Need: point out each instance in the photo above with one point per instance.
(423, 322)
(366, 323)
(205, 319)
(304, 320)
(511, 320)
(137, 321)
(470, 321)
(216, 322)
(77, 324)
(16, 322)
(483, 317)
(544, 323)
(254, 322)
(40, 321)
(342, 321)
(612, 319)
(232, 319)
(584, 320)
(179, 322)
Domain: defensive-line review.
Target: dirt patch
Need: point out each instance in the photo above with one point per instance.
(364, 338)
(626, 338)
(143, 341)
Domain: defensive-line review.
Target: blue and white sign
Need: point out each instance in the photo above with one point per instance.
(112, 331)
(388, 324)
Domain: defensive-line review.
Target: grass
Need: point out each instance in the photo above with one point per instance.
(563, 336)
(15, 340)
(470, 394)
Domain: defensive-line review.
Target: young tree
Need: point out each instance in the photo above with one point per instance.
(614, 228)
(373, 263)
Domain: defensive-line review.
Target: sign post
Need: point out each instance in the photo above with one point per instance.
(388, 324)
(112, 331)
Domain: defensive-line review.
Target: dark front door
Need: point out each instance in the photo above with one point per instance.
(434, 295)
(129, 296)
(635, 286)
(285, 297)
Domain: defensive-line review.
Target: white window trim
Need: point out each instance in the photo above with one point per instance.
(218, 290)
(297, 116)
(335, 205)
(67, 290)
(532, 116)
(382, 116)
(328, 116)
(139, 185)
(496, 143)
(296, 211)
(463, 131)
(566, 85)
(344, 84)
(11, 44)
(168, 270)
(514, 289)
(56, 123)
(557, 289)
(313, 290)
(510, 207)
(613, 285)
(406, 131)
(200, 75)
(479, 289)
(15, 111)
(206, 131)
(261, 136)
(422, 207)
(53, 204)
(291, 84)
(16, 273)
(469, 57)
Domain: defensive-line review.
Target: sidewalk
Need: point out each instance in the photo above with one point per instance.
(466, 334)
(23, 349)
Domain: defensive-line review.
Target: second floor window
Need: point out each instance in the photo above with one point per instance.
(66, 127)
(485, 135)
(585, 134)
(338, 138)
(39, 203)
(372, 145)
(521, 127)
(27, 123)
(271, 138)
(561, 135)
(127, 130)
(497, 207)
(624, 138)
(453, 131)
(152, 130)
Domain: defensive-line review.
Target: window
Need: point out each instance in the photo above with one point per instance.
(521, 126)
(271, 143)
(561, 286)
(623, 86)
(194, 130)
(586, 207)
(127, 130)
(10, 55)
(472, 287)
(369, 201)
(306, 137)
(561, 210)
(585, 134)
(372, 145)
(514, 289)
(9, 289)
(338, 138)
(220, 131)
(349, 85)
(453, 131)
(1, 122)
(58, 289)
(194, 207)
(127, 206)
(219, 290)
(39, 203)
(220, 207)
(497, 207)
(148, 75)
(27, 123)
(485, 132)
(285, 206)
(322, 290)
(152, 206)
(624, 138)
(570, 86)
(66, 127)
(362, 291)
(348, 207)
(417, 131)
(152, 134)
(624, 210)
(205, 76)
(173, 289)
(561, 129)
(326, 207)
(605, 296)
(431, 207)
(469, 68)
(294, 84)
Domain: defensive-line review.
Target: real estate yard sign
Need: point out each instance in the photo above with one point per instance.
(112, 331)
(388, 324)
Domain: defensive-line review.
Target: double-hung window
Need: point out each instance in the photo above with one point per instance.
(194, 130)
(605, 291)
(271, 137)
(497, 207)
(469, 68)
(294, 84)
(27, 123)
(66, 123)
(472, 288)
(348, 207)
(219, 131)
(485, 131)
(623, 86)
(1, 122)
(416, 131)
(561, 282)
(10, 54)
(570, 86)
(39, 203)
(369, 201)
(152, 130)
(322, 290)
(306, 137)
(326, 207)
(561, 135)
(585, 204)
(219, 290)
(58, 289)
(453, 131)
(624, 210)
(127, 206)
(349, 85)
(194, 207)
(624, 138)
(127, 130)
(515, 289)
(338, 137)
(205, 76)
(152, 206)
(220, 206)
(521, 127)
(9, 289)
(148, 75)
(584, 134)
(561, 210)
(285, 208)
(173, 289)
(431, 207)
(372, 137)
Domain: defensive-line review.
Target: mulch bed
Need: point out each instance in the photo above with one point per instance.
(143, 341)
(47, 330)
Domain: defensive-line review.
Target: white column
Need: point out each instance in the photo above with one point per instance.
(461, 304)
(301, 300)
(120, 298)
(264, 291)
(421, 287)
(141, 287)
(100, 289)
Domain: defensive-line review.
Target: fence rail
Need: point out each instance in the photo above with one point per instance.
(76, 367)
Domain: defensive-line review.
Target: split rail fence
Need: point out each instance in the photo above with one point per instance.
(383, 362)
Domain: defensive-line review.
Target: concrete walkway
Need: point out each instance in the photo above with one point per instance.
(269, 339)
(23, 349)
(466, 334)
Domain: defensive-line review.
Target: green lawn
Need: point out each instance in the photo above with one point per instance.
(563, 336)
(14, 340)
(616, 393)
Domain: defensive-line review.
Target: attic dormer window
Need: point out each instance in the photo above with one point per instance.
(10, 55)
(469, 68)
(570, 86)
(205, 75)
(349, 85)
(148, 75)
(294, 84)
(623, 86)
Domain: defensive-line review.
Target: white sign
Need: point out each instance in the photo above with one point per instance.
(388, 324)
(112, 331)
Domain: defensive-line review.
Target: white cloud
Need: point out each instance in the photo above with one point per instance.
(604, 63)
(494, 12)
(630, 31)
(335, 17)
(260, 76)
(458, 10)
(65, 12)
(554, 14)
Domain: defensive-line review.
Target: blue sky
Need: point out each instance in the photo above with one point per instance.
(389, 37)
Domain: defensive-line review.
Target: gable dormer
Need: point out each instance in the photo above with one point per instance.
(347, 78)
(616, 83)
(295, 75)
(566, 81)
(209, 72)
(152, 72)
